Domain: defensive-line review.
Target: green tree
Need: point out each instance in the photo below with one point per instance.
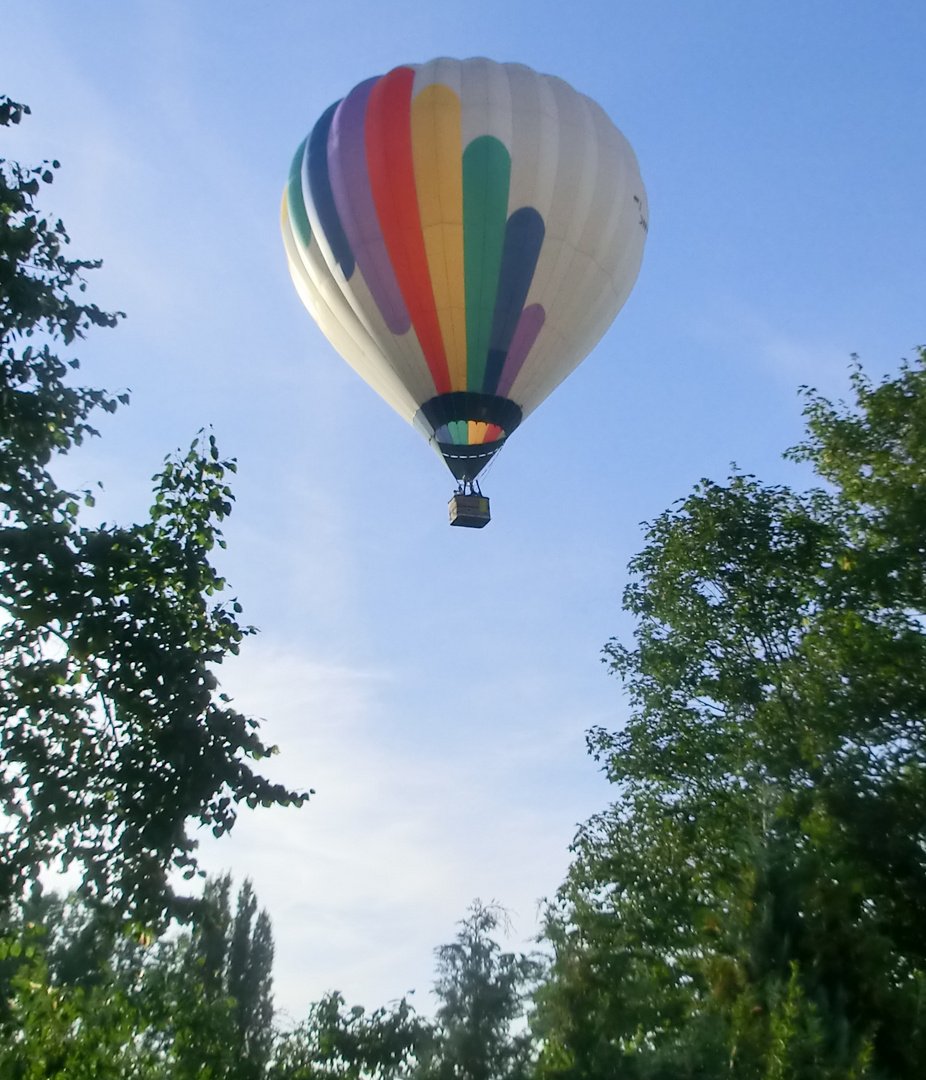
(755, 898)
(250, 982)
(481, 1033)
(339, 1043)
(70, 1004)
(114, 735)
(73, 1033)
(195, 1002)
(215, 988)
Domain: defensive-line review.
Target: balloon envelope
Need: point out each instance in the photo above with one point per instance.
(464, 232)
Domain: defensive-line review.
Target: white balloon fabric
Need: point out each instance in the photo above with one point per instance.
(464, 232)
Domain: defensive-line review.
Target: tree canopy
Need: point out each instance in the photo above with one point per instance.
(478, 1032)
(755, 898)
(114, 735)
(482, 993)
(80, 997)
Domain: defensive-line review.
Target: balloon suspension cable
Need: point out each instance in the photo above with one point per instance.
(468, 487)
(491, 465)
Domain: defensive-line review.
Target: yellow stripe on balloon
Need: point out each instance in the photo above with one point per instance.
(437, 152)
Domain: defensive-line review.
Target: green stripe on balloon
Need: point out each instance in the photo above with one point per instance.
(459, 432)
(297, 211)
(486, 177)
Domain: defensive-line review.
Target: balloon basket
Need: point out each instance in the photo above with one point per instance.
(469, 511)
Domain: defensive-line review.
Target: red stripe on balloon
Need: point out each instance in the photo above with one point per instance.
(388, 132)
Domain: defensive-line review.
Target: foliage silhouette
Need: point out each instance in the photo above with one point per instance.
(754, 899)
(114, 736)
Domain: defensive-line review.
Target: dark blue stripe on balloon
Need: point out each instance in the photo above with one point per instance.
(494, 366)
(524, 233)
(320, 186)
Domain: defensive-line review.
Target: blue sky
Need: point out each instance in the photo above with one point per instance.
(433, 684)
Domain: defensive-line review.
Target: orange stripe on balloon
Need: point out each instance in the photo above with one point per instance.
(477, 432)
(388, 134)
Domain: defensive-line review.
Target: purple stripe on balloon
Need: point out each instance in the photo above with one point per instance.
(525, 335)
(350, 184)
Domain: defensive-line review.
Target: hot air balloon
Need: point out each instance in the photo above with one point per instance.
(464, 232)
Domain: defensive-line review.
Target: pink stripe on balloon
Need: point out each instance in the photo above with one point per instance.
(350, 185)
(525, 334)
